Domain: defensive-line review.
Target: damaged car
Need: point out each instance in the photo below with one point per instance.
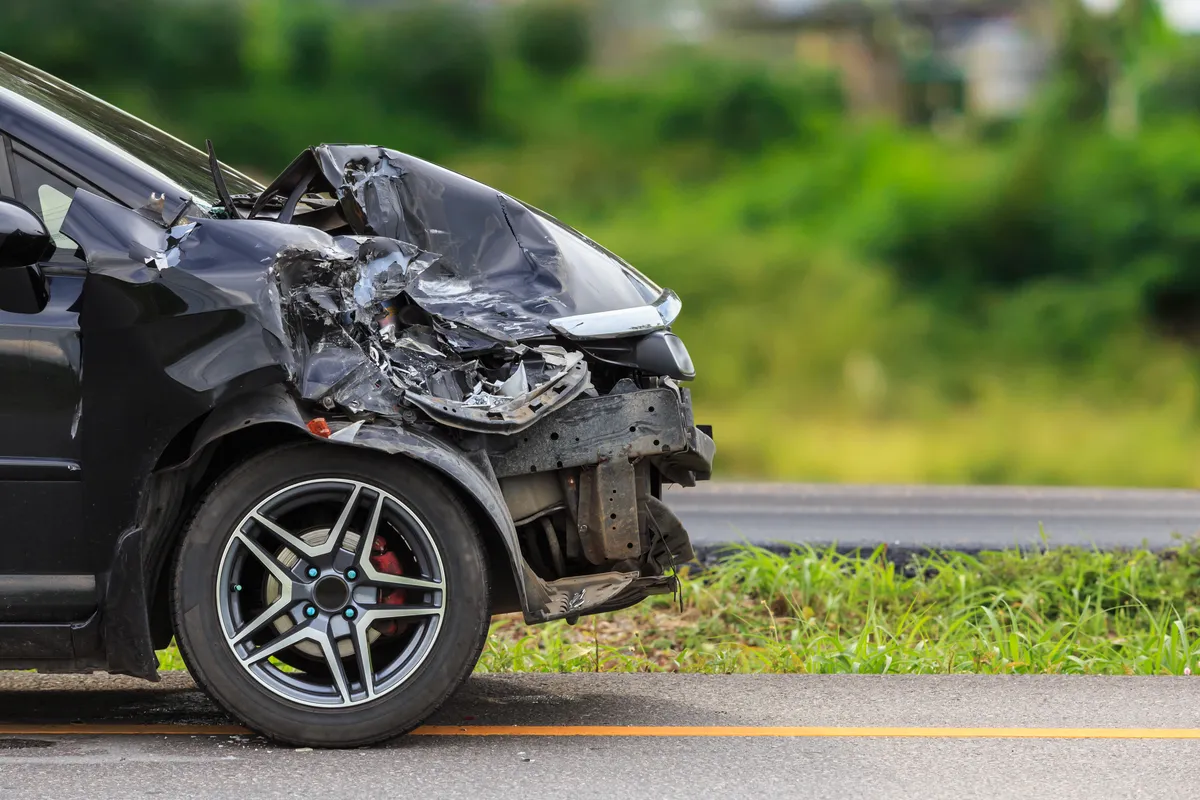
(317, 431)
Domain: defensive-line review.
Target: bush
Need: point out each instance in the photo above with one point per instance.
(736, 107)
(310, 33)
(174, 50)
(1074, 212)
(436, 60)
(553, 37)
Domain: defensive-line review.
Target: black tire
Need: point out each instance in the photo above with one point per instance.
(206, 649)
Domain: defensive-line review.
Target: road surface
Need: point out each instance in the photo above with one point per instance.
(666, 736)
(968, 518)
(715, 736)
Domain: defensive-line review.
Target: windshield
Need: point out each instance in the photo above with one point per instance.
(175, 159)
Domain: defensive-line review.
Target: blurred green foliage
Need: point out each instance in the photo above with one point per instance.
(553, 37)
(1014, 303)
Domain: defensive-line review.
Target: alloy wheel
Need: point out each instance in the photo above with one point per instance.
(331, 592)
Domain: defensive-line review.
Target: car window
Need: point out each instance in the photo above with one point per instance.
(50, 197)
(136, 139)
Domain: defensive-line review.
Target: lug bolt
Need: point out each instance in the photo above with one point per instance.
(351, 574)
(310, 611)
(313, 572)
(349, 613)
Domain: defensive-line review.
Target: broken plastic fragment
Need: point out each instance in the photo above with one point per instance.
(517, 384)
(348, 433)
(319, 427)
(158, 261)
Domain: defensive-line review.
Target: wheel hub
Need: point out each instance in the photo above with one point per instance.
(331, 594)
(290, 559)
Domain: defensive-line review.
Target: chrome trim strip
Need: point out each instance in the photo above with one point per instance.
(39, 469)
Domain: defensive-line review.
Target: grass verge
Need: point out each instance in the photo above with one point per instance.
(817, 611)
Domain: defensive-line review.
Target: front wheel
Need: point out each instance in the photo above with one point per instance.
(330, 597)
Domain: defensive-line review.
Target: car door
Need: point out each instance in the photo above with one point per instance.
(47, 572)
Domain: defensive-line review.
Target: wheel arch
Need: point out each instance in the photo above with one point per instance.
(249, 424)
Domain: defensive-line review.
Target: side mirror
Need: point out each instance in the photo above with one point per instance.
(24, 240)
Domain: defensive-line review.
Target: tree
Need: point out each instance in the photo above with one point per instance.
(553, 37)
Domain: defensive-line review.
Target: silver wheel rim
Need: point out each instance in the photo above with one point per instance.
(296, 578)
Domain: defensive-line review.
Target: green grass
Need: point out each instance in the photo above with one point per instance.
(816, 611)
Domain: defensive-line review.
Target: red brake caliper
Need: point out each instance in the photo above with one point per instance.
(388, 563)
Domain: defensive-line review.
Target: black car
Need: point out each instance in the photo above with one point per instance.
(318, 431)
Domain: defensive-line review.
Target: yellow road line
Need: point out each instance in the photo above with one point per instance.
(647, 730)
(810, 732)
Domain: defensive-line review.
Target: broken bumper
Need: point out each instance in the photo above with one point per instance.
(605, 448)
(654, 423)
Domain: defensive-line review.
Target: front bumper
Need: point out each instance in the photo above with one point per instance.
(652, 423)
(604, 449)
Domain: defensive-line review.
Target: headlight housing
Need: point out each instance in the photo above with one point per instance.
(622, 322)
(661, 353)
(664, 353)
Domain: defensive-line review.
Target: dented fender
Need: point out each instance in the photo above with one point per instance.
(471, 476)
(469, 471)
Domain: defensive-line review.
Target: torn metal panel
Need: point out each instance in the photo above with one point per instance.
(541, 600)
(335, 313)
(426, 304)
(120, 243)
(512, 406)
(504, 268)
(636, 591)
(366, 344)
(583, 594)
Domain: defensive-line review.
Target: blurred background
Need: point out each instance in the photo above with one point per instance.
(916, 240)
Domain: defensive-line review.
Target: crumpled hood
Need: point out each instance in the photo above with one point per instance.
(372, 283)
(490, 261)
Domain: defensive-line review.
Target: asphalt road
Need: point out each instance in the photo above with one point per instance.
(725, 736)
(616, 736)
(950, 517)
